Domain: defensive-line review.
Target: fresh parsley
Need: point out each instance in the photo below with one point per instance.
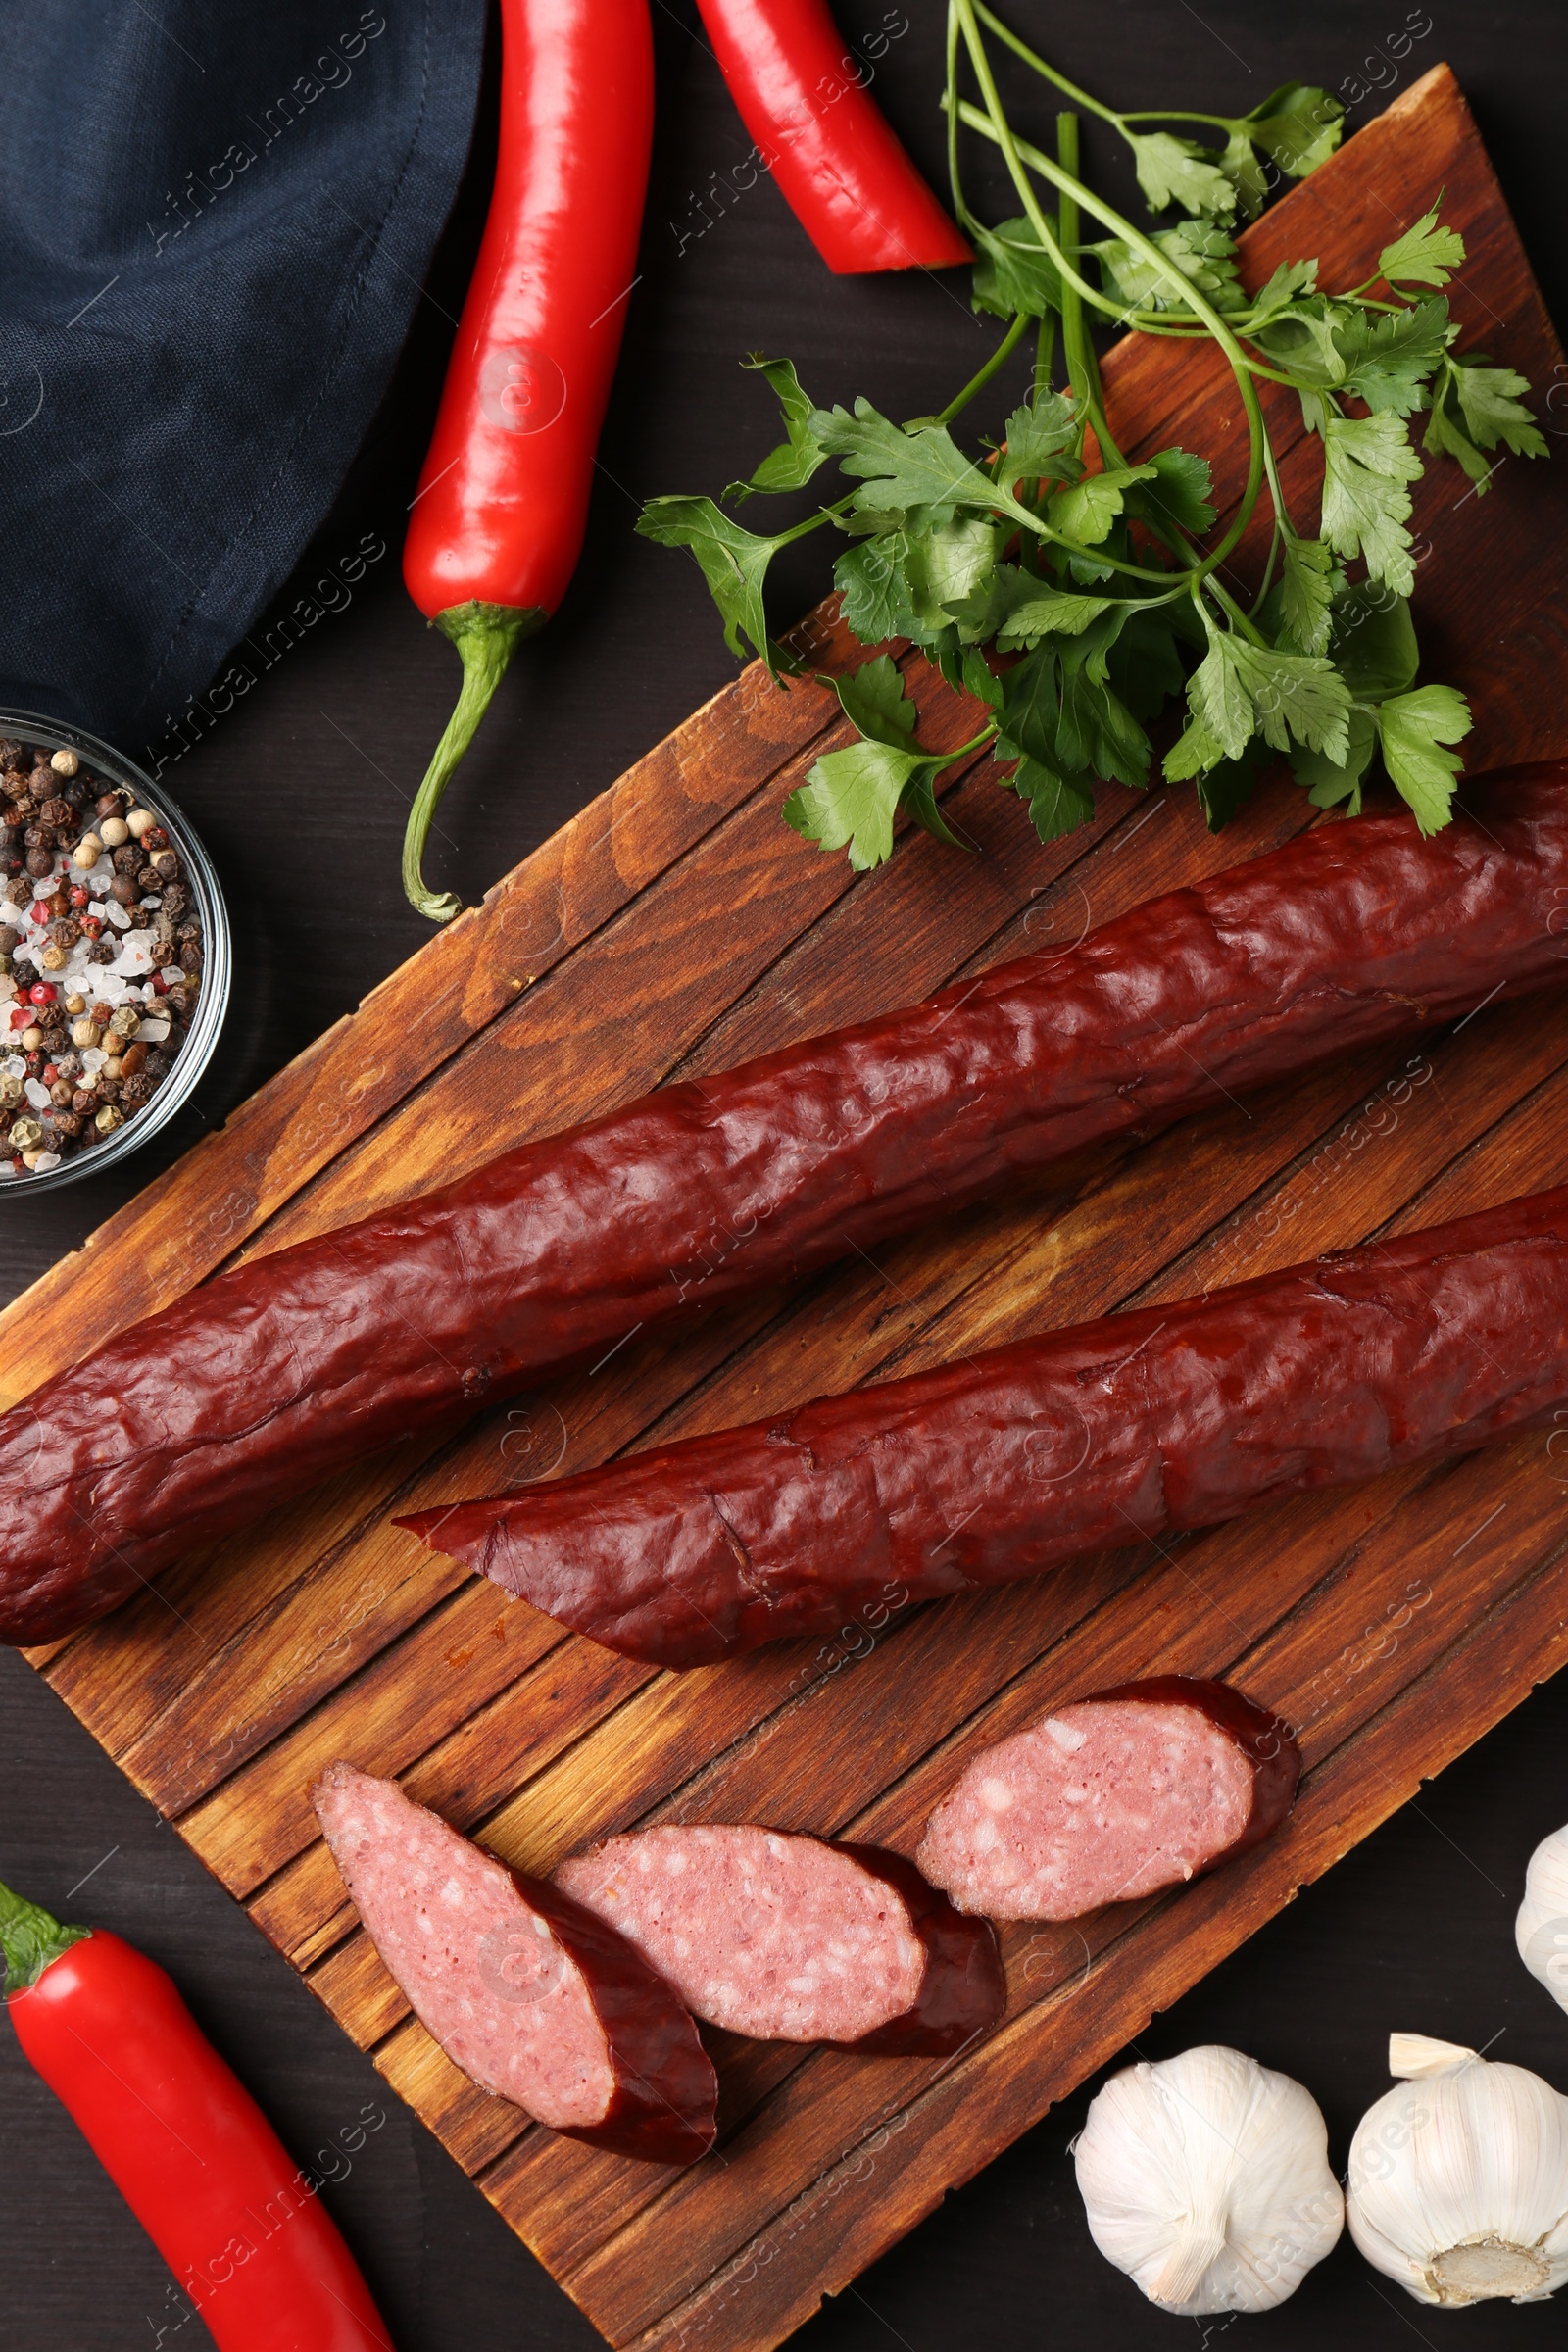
(1076, 597)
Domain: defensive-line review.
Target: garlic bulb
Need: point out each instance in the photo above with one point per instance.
(1459, 2185)
(1207, 2178)
(1541, 1929)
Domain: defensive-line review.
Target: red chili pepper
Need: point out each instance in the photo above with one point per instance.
(193, 2156)
(842, 171)
(503, 501)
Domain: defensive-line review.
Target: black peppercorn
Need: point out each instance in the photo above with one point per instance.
(103, 951)
(123, 888)
(166, 863)
(136, 1090)
(190, 955)
(83, 1101)
(176, 901)
(20, 893)
(150, 881)
(57, 812)
(109, 804)
(65, 930)
(12, 754)
(40, 862)
(158, 1063)
(68, 1122)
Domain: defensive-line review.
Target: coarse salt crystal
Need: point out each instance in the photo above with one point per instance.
(119, 915)
(92, 1060)
(14, 1066)
(154, 1032)
(172, 973)
(45, 1162)
(37, 1094)
(153, 901)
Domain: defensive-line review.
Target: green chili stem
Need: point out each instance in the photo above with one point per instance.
(485, 636)
(31, 1938)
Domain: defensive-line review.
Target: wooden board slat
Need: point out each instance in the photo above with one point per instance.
(676, 926)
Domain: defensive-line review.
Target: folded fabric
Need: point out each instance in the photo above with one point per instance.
(213, 228)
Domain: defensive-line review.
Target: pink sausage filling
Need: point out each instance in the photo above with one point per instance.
(776, 1936)
(479, 1967)
(1102, 1801)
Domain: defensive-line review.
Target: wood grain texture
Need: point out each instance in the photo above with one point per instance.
(676, 926)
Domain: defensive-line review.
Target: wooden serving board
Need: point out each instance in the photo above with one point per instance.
(676, 926)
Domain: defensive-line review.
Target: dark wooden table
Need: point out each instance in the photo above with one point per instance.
(1414, 1931)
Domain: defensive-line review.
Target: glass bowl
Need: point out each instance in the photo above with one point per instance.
(211, 1002)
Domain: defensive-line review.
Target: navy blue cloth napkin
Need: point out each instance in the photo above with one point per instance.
(214, 226)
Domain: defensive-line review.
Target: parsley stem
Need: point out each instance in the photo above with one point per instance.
(1017, 153)
(1003, 32)
(978, 383)
(1045, 355)
(949, 102)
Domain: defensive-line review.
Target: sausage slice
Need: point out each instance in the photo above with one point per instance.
(537, 1999)
(1135, 1788)
(792, 1939)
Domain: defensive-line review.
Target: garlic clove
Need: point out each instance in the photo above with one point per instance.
(1458, 2177)
(1206, 2177)
(1541, 1929)
(1414, 2057)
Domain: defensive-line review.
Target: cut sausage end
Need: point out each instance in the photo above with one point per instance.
(1110, 1798)
(535, 1998)
(795, 1939)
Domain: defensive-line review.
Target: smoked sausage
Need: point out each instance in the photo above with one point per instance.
(282, 1371)
(1113, 1798)
(797, 1938)
(1006, 1464)
(536, 1999)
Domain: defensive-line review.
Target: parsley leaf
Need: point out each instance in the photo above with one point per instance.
(870, 580)
(1492, 413)
(1414, 727)
(1288, 279)
(1198, 255)
(1058, 804)
(849, 799)
(1423, 256)
(792, 465)
(1329, 781)
(1373, 643)
(1388, 355)
(1240, 690)
(874, 701)
(924, 470)
(1367, 463)
(1224, 789)
(1178, 496)
(1173, 171)
(942, 567)
(1048, 612)
(851, 796)
(734, 563)
(1084, 511)
(1303, 338)
(1014, 273)
(1306, 588)
(1298, 126)
(1037, 439)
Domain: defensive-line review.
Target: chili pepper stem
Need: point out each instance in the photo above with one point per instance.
(485, 636)
(31, 1938)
